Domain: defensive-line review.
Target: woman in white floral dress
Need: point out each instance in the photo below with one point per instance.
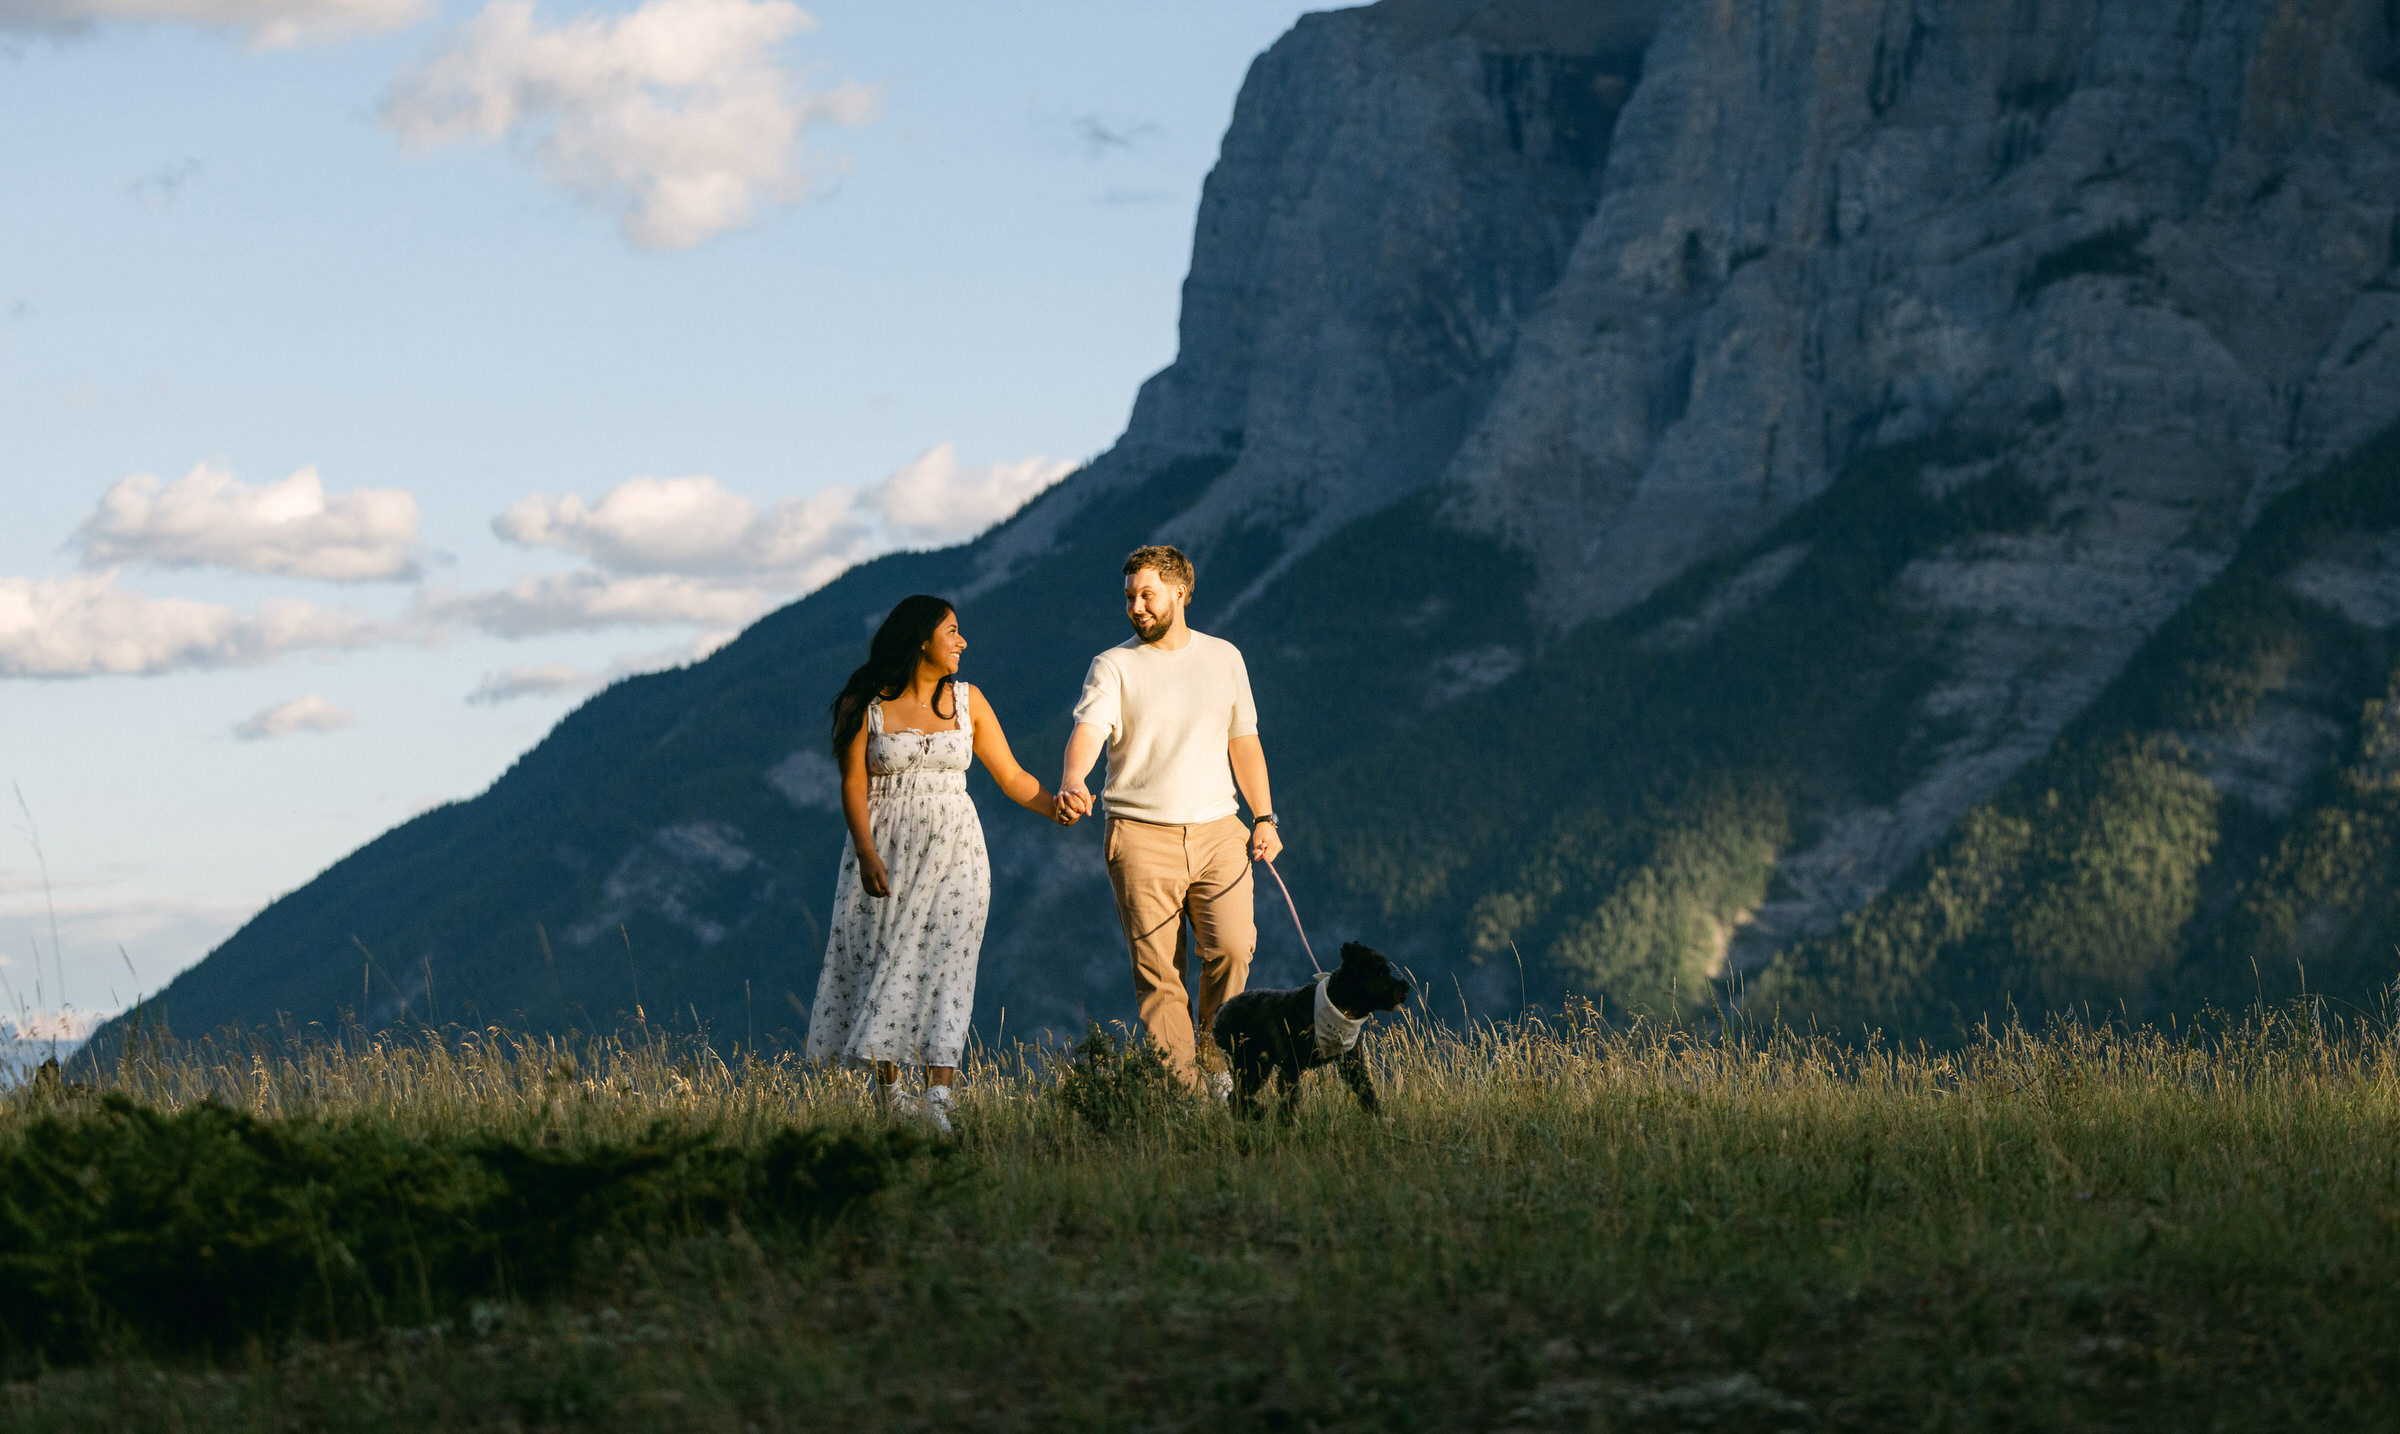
(898, 985)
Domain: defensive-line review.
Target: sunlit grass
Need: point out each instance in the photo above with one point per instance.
(1559, 1224)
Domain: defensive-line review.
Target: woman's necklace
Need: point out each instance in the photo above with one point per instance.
(917, 712)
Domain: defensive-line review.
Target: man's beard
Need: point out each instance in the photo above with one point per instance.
(1154, 630)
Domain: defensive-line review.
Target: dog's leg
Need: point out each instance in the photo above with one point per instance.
(1288, 1097)
(1249, 1074)
(1235, 1049)
(1362, 1081)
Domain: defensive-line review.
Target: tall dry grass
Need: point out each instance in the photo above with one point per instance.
(1559, 1224)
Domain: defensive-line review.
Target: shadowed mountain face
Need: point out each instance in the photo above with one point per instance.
(1880, 504)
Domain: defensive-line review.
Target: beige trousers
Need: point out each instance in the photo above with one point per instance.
(1163, 874)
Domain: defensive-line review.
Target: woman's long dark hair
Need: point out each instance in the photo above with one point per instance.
(891, 665)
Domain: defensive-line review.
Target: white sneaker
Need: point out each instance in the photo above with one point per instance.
(892, 1102)
(937, 1108)
(1220, 1085)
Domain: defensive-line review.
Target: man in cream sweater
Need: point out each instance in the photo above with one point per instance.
(1172, 708)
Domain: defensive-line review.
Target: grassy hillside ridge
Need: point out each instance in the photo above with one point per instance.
(1562, 1226)
(2112, 873)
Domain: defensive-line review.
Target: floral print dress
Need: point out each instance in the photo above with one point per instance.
(899, 977)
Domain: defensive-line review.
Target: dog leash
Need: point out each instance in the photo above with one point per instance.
(1296, 926)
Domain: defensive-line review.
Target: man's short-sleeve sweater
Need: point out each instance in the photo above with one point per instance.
(1168, 716)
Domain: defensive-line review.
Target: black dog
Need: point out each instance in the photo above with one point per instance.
(1270, 1033)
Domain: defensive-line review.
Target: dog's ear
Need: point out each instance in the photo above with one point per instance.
(1359, 953)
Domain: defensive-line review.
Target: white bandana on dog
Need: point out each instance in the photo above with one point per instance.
(1336, 1032)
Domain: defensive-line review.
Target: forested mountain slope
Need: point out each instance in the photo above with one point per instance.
(1878, 503)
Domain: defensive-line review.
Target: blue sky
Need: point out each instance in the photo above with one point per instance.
(694, 300)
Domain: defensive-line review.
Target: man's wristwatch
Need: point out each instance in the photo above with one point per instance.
(1267, 817)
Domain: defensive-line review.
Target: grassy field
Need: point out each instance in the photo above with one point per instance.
(1556, 1226)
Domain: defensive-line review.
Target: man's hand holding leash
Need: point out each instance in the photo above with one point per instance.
(1249, 762)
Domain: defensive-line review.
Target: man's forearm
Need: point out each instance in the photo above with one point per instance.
(1084, 746)
(1250, 774)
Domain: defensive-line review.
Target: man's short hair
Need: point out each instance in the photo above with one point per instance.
(1169, 563)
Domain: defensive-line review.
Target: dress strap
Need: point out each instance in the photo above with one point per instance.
(966, 720)
(875, 715)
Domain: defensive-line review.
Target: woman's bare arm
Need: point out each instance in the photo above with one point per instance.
(871, 874)
(991, 746)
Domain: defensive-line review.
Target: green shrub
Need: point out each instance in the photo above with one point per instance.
(124, 1225)
(1115, 1083)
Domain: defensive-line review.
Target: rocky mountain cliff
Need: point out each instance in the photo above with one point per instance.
(1876, 508)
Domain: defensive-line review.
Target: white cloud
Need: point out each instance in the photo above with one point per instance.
(266, 24)
(659, 552)
(530, 679)
(302, 714)
(679, 116)
(697, 527)
(65, 1029)
(693, 526)
(549, 679)
(115, 946)
(84, 625)
(808, 778)
(207, 518)
(29, 1038)
(672, 551)
(935, 501)
(587, 599)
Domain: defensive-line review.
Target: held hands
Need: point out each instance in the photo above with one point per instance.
(1071, 805)
(1266, 842)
